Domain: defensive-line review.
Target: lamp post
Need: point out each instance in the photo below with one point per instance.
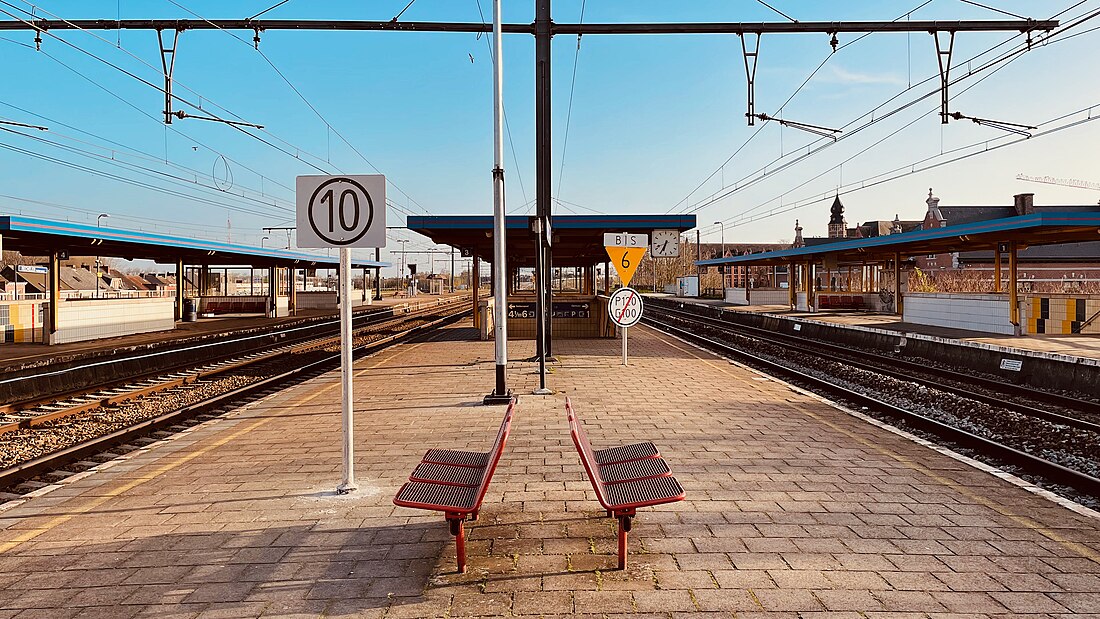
(401, 273)
(262, 241)
(722, 268)
(98, 223)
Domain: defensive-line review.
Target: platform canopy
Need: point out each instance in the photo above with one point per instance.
(576, 240)
(41, 237)
(1046, 228)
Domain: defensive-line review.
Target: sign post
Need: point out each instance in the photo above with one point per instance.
(343, 212)
(625, 306)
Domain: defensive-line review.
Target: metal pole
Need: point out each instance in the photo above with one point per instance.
(625, 331)
(1013, 291)
(542, 189)
(348, 485)
(500, 394)
(378, 275)
(452, 270)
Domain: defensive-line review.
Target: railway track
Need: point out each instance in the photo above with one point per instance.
(93, 424)
(1029, 457)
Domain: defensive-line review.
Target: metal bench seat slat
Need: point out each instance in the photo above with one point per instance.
(456, 458)
(626, 453)
(633, 470)
(447, 474)
(644, 492)
(439, 497)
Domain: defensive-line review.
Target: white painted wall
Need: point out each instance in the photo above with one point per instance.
(800, 302)
(90, 319)
(736, 296)
(986, 313)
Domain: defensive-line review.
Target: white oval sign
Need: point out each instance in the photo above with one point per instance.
(625, 307)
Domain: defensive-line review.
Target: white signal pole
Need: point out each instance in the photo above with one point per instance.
(500, 394)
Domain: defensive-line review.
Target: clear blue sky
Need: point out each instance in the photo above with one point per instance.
(652, 116)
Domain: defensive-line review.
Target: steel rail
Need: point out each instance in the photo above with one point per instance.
(49, 462)
(364, 319)
(828, 27)
(1052, 471)
(168, 379)
(827, 349)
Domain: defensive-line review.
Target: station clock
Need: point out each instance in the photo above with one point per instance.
(665, 244)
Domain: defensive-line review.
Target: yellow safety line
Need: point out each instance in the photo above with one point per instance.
(30, 534)
(1076, 547)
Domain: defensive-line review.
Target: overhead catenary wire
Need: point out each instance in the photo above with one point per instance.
(569, 108)
(173, 95)
(770, 169)
(329, 126)
(912, 168)
(780, 109)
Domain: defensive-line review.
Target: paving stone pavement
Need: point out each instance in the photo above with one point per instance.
(794, 508)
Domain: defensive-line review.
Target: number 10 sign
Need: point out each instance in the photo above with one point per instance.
(341, 211)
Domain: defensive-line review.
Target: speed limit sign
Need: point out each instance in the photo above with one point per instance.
(625, 307)
(341, 211)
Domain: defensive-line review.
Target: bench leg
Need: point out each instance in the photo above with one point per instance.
(459, 532)
(624, 529)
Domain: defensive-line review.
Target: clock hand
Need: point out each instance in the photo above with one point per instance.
(664, 247)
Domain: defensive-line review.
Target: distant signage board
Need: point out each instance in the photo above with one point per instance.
(25, 268)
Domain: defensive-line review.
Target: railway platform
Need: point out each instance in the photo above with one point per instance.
(1075, 346)
(19, 355)
(795, 507)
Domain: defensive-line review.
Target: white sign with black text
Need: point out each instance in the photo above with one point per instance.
(341, 211)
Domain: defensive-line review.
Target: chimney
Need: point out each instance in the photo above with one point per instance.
(1024, 203)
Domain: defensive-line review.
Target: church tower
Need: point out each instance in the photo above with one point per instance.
(838, 227)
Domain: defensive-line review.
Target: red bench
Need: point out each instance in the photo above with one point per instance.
(624, 478)
(454, 482)
(826, 301)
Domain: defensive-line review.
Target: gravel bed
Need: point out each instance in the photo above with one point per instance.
(1070, 447)
(30, 443)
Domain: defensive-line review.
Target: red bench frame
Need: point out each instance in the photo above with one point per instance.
(835, 301)
(454, 482)
(624, 478)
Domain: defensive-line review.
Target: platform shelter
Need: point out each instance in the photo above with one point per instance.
(874, 271)
(576, 251)
(68, 320)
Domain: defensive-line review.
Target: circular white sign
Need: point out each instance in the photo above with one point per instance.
(341, 211)
(625, 307)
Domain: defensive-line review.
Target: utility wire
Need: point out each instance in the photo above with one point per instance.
(777, 11)
(504, 110)
(759, 129)
(765, 172)
(910, 169)
(569, 110)
(295, 155)
(127, 102)
(301, 96)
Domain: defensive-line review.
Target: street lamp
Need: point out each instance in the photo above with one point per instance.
(262, 241)
(401, 274)
(98, 223)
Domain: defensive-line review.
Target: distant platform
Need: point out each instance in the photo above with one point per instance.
(1086, 347)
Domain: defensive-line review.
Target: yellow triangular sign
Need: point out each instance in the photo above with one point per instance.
(626, 261)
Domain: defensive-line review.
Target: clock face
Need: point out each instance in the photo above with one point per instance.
(666, 244)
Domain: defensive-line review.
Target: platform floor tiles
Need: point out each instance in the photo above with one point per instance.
(794, 508)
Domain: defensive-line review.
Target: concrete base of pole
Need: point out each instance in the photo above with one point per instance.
(346, 488)
(543, 391)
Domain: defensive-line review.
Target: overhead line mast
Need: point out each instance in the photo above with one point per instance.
(544, 29)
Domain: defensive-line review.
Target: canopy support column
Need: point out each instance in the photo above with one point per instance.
(898, 303)
(997, 269)
(179, 289)
(475, 285)
(1013, 292)
(792, 286)
(55, 295)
